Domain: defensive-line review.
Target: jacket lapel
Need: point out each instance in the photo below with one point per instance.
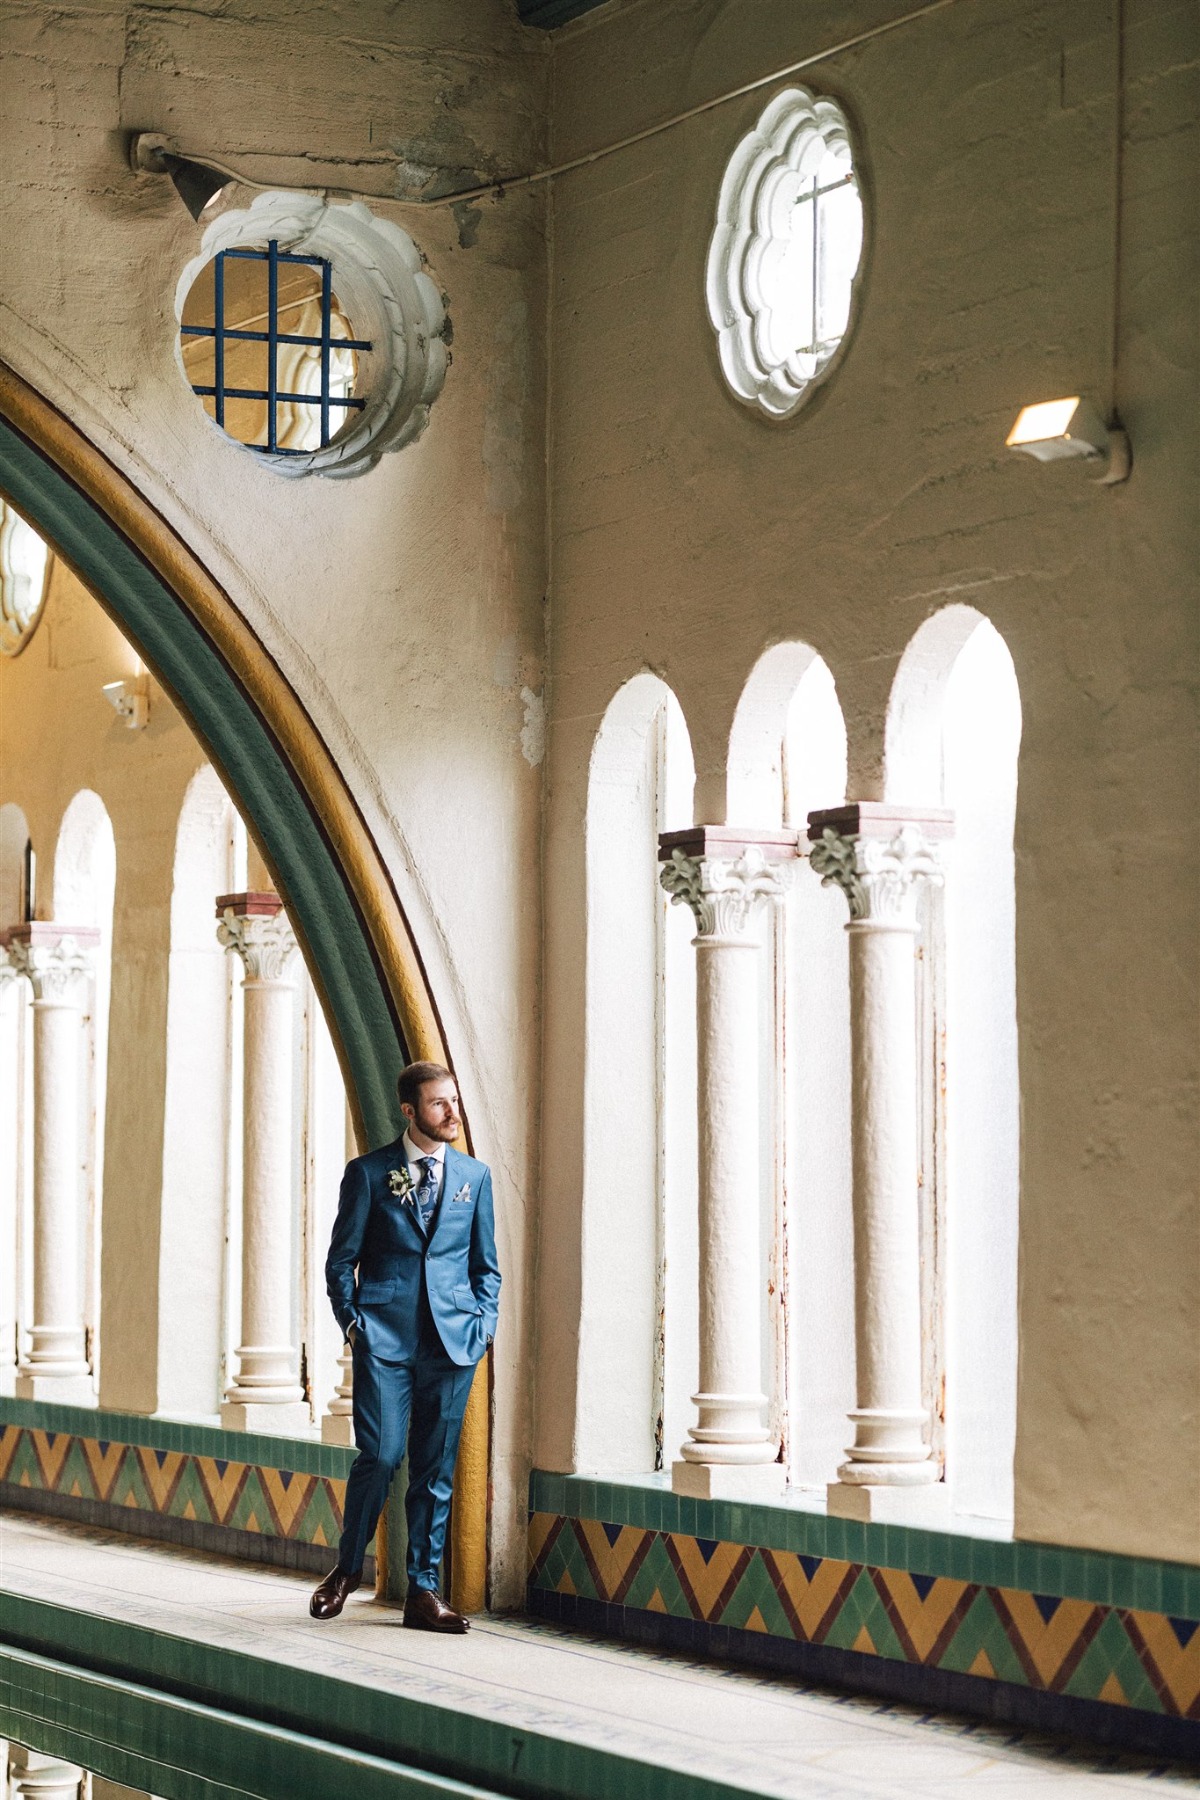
(408, 1208)
(451, 1182)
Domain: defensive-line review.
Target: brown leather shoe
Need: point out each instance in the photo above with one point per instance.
(329, 1599)
(425, 1610)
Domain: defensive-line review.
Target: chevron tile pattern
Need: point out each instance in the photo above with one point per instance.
(1123, 1656)
(206, 1490)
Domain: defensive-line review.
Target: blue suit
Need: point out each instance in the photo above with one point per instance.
(424, 1309)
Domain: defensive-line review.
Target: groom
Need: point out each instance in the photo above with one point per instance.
(416, 1219)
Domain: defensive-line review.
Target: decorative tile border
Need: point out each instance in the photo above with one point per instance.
(894, 1609)
(274, 1499)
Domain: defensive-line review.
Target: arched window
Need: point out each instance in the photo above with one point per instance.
(953, 735)
(85, 875)
(198, 1214)
(638, 1347)
(787, 757)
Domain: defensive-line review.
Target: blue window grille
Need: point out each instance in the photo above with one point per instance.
(273, 337)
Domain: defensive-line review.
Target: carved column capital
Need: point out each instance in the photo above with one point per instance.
(876, 854)
(723, 874)
(56, 960)
(256, 927)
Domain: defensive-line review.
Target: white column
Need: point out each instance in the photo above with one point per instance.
(877, 854)
(266, 1395)
(725, 877)
(58, 960)
(33, 1776)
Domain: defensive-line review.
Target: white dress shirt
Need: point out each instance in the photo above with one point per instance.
(414, 1154)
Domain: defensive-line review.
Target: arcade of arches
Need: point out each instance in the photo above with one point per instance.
(789, 819)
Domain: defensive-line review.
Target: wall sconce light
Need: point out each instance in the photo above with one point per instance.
(1053, 429)
(130, 700)
(196, 184)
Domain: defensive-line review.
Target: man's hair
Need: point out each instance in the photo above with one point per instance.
(413, 1079)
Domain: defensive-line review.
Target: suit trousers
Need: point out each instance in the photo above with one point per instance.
(422, 1400)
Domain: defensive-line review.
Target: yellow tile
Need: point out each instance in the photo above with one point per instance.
(540, 1527)
(810, 1599)
(1178, 1665)
(924, 1620)
(611, 1560)
(51, 1456)
(1048, 1644)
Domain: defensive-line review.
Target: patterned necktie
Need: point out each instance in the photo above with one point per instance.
(427, 1191)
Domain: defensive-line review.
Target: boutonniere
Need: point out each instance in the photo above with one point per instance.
(401, 1183)
(464, 1193)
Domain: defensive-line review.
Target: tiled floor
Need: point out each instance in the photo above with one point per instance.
(759, 1734)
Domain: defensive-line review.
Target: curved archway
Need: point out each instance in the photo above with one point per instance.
(293, 797)
(256, 731)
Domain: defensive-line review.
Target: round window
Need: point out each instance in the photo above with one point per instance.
(312, 334)
(785, 253)
(269, 350)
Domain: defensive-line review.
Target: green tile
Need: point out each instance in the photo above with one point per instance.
(1098, 1576)
(1180, 1591)
(864, 1610)
(1052, 1572)
(755, 1592)
(657, 1578)
(1144, 1579)
(1110, 1655)
(982, 1631)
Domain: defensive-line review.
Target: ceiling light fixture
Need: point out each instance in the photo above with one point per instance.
(1053, 429)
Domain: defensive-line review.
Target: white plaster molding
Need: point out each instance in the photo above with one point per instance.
(387, 296)
(265, 942)
(57, 968)
(722, 893)
(878, 876)
(766, 177)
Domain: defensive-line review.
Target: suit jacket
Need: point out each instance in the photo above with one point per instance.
(382, 1234)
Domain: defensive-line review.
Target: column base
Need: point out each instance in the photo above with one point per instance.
(62, 1390)
(337, 1428)
(292, 1418)
(923, 1505)
(728, 1481)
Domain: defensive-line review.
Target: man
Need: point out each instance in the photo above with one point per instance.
(416, 1218)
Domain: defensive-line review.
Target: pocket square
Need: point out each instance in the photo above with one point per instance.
(464, 1193)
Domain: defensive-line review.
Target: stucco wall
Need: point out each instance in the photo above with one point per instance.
(688, 534)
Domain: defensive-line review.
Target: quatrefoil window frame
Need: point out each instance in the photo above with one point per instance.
(763, 183)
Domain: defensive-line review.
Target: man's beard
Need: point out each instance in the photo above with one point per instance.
(445, 1134)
